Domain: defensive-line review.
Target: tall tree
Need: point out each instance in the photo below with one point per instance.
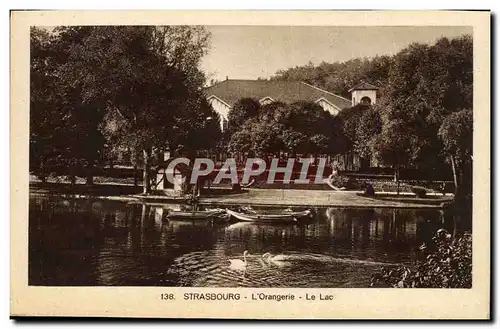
(426, 84)
(339, 77)
(145, 77)
(367, 131)
(64, 126)
(42, 100)
(392, 146)
(456, 135)
(242, 110)
(350, 119)
(298, 128)
(195, 128)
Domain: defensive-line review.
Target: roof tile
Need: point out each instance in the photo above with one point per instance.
(230, 91)
(363, 86)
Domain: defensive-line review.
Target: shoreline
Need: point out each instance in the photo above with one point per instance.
(275, 198)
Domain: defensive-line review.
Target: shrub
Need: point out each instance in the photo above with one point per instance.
(339, 180)
(349, 183)
(352, 184)
(419, 191)
(447, 264)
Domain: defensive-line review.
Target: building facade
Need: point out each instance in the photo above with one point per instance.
(363, 93)
(223, 95)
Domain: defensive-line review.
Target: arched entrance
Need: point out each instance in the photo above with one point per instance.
(366, 100)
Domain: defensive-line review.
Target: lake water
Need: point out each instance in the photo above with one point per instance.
(112, 243)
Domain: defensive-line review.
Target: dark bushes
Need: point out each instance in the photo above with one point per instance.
(349, 183)
(339, 180)
(353, 184)
(447, 264)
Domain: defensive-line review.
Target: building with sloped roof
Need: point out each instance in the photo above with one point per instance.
(223, 95)
(363, 93)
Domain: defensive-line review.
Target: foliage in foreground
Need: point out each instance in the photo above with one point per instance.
(447, 264)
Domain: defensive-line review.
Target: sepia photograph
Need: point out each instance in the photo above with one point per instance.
(252, 156)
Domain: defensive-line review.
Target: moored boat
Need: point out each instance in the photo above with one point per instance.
(196, 215)
(289, 217)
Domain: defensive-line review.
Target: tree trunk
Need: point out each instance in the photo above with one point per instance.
(136, 180)
(144, 213)
(145, 176)
(453, 167)
(72, 178)
(396, 178)
(90, 173)
(160, 154)
(42, 175)
(135, 161)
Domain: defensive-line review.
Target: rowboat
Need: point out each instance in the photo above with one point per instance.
(195, 215)
(290, 217)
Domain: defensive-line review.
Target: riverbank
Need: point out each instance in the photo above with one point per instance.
(320, 198)
(260, 197)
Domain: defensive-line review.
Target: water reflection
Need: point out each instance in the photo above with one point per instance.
(85, 242)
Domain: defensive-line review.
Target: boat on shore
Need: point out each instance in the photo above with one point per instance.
(286, 217)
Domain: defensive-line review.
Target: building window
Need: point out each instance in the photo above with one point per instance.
(224, 124)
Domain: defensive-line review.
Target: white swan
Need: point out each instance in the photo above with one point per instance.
(263, 263)
(278, 260)
(238, 264)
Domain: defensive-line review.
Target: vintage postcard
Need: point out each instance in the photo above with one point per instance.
(250, 165)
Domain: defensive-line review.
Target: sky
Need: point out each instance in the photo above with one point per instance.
(250, 52)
